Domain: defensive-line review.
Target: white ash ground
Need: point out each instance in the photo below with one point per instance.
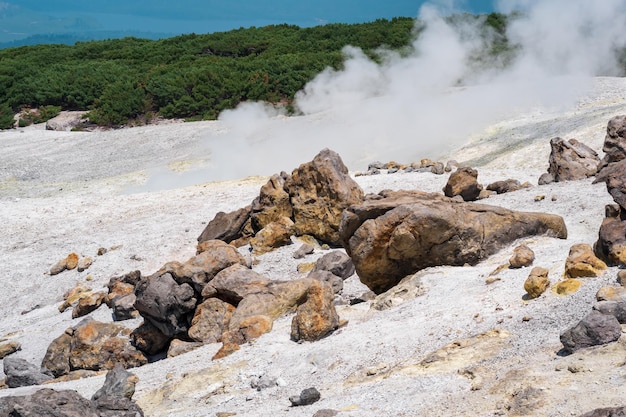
(42, 224)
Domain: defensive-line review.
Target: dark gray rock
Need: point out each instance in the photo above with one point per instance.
(227, 226)
(306, 397)
(606, 412)
(595, 329)
(614, 142)
(124, 307)
(166, 304)
(335, 282)
(48, 403)
(115, 397)
(505, 186)
(337, 263)
(616, 309)
(21, 373)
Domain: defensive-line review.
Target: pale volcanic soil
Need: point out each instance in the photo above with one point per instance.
(63, 192)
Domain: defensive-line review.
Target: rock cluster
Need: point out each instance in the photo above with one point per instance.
(114, 399)
(310, 201)
(425, 165)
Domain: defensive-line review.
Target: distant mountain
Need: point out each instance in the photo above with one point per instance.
(72, 38)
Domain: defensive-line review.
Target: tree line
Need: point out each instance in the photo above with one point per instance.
(191, 76)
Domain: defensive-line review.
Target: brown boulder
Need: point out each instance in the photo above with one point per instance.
(273, 202)
(96, 346)
(611, 243)
(614, 142)
(571, 160)
(317, 317)
(93, 346)
(463, 182)
(400, 233)
(537, 282)
(274, 235)
(210, 321)
(523, 256)
(250, 328)
(319, 191)
(582, 262)
(228, 227)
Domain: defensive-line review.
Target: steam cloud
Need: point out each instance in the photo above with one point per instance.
(411, 107)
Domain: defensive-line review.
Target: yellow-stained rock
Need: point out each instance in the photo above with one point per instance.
(582, 262)
(537, 282)
(567, 287)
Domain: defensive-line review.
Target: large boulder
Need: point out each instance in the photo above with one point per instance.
(571, 160)
(396, 234)
(595, 329)
(92, 345)
(166, 304)
(320, 191)
(463, 182)
(614, 142)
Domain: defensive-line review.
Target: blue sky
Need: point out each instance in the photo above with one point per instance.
(20, 18)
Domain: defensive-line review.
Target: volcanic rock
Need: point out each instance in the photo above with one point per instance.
(582, 262)
(234, 283)
(228, 227)
(21, 373)
(88, 304)
(595, 329)
(606, 412)
(166, 304)
(396, 234)
(523, 256)
(306, 397)
(571, 160)
(505, 186)
(210, 321)
(84, 263)
(317, 317)
(614, 142)
(335, 282)
(615, 308)
(537, 282)
(179, 347)
(9, 348)
(336, 262)
(463, 182)
(69, 262)
(273, 202)
(611, 243)
(273, 235)
(200, 269)
(72, 296)
(303, 250)
(610, 293)
(149, 339)
(319, 191)
(567, 286)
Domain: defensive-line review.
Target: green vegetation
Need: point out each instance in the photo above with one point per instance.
(190, 76)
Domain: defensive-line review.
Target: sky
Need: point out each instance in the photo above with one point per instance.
(22, 18)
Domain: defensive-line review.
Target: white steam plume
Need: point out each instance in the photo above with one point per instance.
(411, 107)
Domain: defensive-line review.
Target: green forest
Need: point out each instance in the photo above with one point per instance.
(132, 80)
